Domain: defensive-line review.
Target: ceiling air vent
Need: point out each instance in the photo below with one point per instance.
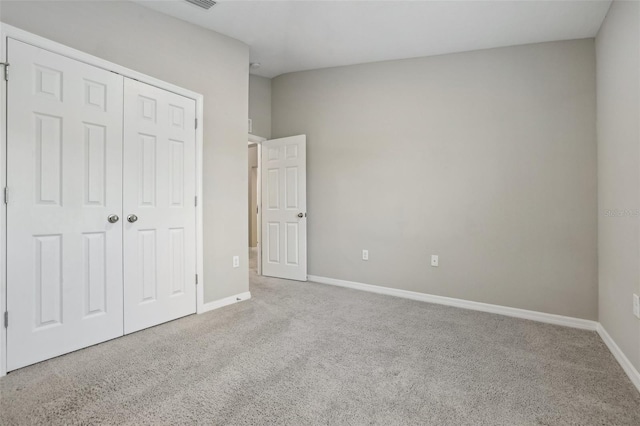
(205, 4)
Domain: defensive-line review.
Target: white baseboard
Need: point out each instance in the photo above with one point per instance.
(622, 359)
(216, 304)
(497, 309)
(461, 303)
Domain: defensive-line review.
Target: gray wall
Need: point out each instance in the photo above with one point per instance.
(260, 105)
(618, 70)
(485, 158)
(216, 66)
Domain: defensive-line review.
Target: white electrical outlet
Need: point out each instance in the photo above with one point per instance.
(365, 254)
(434, 260)
(636, 306)
(250, 125)
(236, 261)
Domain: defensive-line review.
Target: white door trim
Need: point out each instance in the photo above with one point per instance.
(257, 141)
(8, 31)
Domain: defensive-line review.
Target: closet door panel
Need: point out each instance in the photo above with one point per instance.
(159, 209)
(64, 179)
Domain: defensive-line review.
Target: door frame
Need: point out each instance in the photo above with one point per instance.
(257, 141)
(8, 31)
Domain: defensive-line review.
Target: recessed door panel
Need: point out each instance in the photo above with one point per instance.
(48, 285)
(147, 170)
(95, 156)
(273, 189)
(159, 171)
(95, 94)
(47, 81)
(48, 144)
(292, 243)
(64, 176)
(291, 187)
(273, 242)
(176, 261)
(147, 279)
(95, 273)
(176, 116)
(176, 173)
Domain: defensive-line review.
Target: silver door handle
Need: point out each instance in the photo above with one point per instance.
(300, 214)
(132, 218)
(113, 218)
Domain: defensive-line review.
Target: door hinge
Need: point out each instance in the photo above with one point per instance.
(6, 195)
(196, 123)
(195, 201)
(196, 279)
(6, 319)
(6, 70)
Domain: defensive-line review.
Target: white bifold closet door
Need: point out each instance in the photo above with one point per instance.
(64, 179)
(101, 205)
(159, 206)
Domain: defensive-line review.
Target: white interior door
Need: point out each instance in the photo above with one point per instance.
(284, 208)
(64, 178)
(159, 206)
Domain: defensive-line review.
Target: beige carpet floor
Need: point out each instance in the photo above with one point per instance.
(310, 354)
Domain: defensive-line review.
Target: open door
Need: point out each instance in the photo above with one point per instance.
(283, 244)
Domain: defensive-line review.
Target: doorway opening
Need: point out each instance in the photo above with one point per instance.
(253, 192)
(253, 208)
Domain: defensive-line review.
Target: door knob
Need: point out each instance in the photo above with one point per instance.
(300, 214)
(113, 218)
(132, 218)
